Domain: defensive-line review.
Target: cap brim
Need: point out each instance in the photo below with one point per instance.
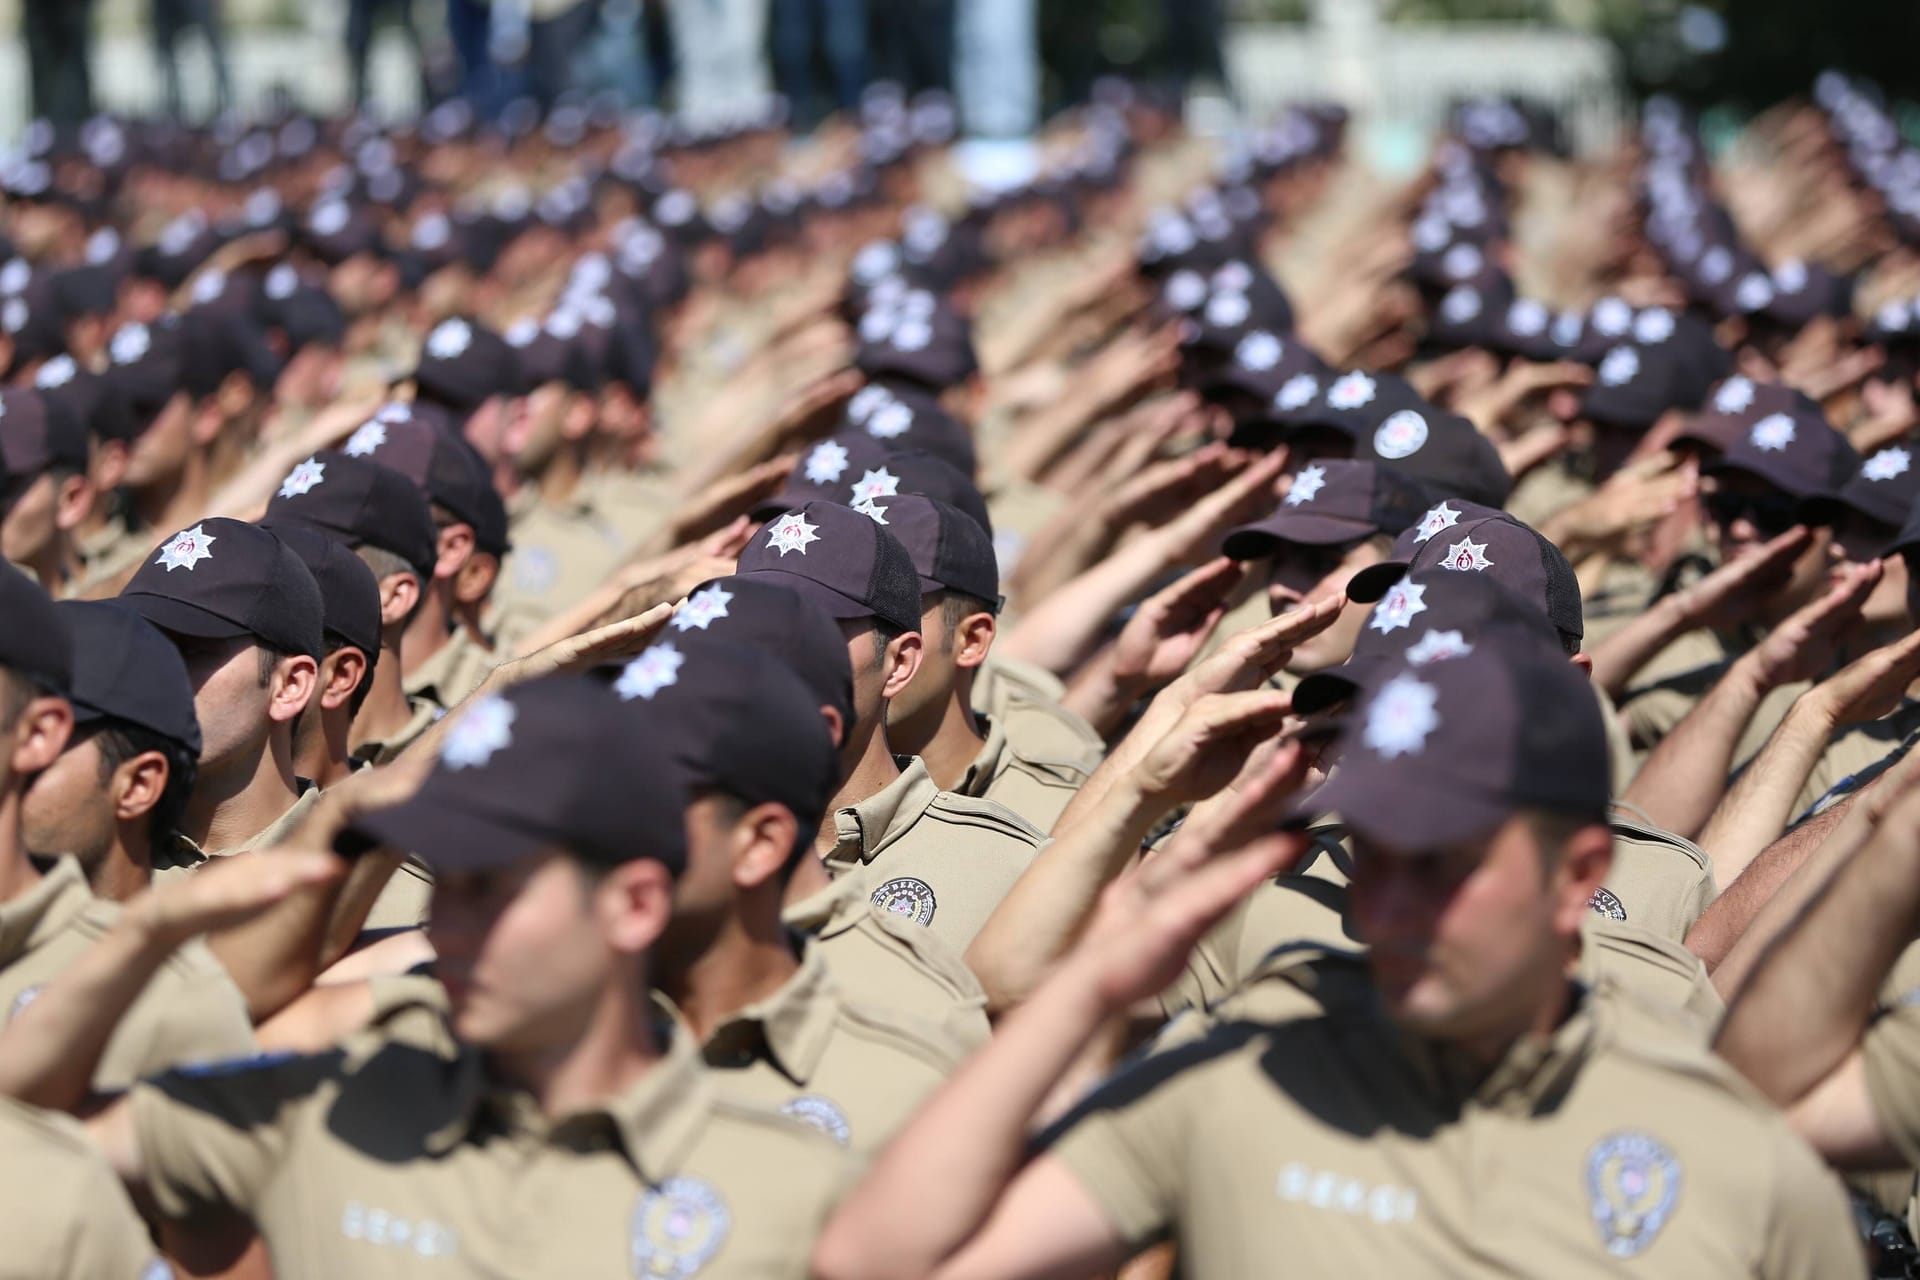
(183, 619)
(1323, 689)
(1374, 581)
(1403, 809)
(448, 836)
(1779, 477)
(1253, 541)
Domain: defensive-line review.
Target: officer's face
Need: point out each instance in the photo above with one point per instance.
(160, 452)
(228, 696)
(1857, 540)
(703, 895)
(1745, 513)
(68, 809)
(1301, 575)
(27, 525)
(933, 683)
(1462, 941)
(521, 953)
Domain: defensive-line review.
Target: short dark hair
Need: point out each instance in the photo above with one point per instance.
(884, 634)
(270, 658)
(957, 606)
(120, 742)
(16, 691)
(385, 564)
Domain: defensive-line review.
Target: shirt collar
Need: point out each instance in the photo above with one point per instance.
(981, 772)
(792, 1026)
(1535, 1069)
(43, 911)
(383, 750)
(183, 852)
(864, 830)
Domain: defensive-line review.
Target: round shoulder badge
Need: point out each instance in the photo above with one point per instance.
(677, 1229)
(1604, 902)
(1633, 1182)
(908, 898)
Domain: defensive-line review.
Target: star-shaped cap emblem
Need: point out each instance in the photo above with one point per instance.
(1398, 607)
(872, 509)
(1438, 646)
(1467, 556)
(878, 483)
(450, 339)
(1887, 464)
(652, 671)
(186, 549)
(369, 436)
(826, 462)
(1350, 391)
(792, 532)
(1772, 433)
(702, 608)
(303, 478)
(481, 730)
(1402, 716)
(1296, 391)
(1307, 485)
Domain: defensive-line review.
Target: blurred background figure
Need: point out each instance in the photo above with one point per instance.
(804, 30)
(361, 15)
(719, 58)
(914, 45)
(59, 35)
(172, 20)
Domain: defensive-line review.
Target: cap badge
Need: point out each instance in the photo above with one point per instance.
(1772, 433)
(281, 282)
(1438, 646)
(1604, 902)
(1619, 367)
(394, 411)
(867, 401)
(1611, 316)
(1467, 555)
(1185, 290)
(186, 549)
(871, 509)
(878, 483)
(1227, 310)
(908, 898)
(1895, 316)
(1402, 715)
(130, 343)
(57, 372)
(369, 436)
(1633, 1181)
(1307, 485)
(889, 420)
(1258, 351)
(303, 478)
(1402, 435)
(911, 335)
(1753, 292)
(702, 608)
(654, 670)
(1297, 391)
(1887, 464)
(677, 1228)
(1526, 317)
(1233, 277)
(1653, 326)
(1461, 260)
(1790, 276)
(1350, 391)
(481, 730)
(1440, 517)
(1734, 395)
(1398, 607)
(792, 532)
(822, 1114)
(328, 217)
(449, 339)
(826, 462)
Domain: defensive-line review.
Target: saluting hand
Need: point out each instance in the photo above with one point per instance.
(226, 892)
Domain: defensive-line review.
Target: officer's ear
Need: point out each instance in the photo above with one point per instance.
(581, 415)
(972, 640)
(1584, 661)
(904, 652)
(632, 904)
(474, 583)
(72, 501)
(836, 726)
(455, 548)
(40, 734)
(138, 785)
(399, 597)
(108, 465)
(296, 677)
(764, 840)
(1585, 858)
(340, 675)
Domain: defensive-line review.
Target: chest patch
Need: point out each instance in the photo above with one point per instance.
(908, 898)
(677, 1229)
(1605, 903)
(823, 1114)
(1633, 1183)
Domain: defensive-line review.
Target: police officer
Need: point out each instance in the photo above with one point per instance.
(939, 860)
(567, 1123)
(759, 766)
(1337, 1111)
(350, 646)
(43, 456)
(48, 915)
(248, 619)
(117, 793)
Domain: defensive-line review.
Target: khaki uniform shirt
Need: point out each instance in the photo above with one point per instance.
(931, 857)
(1038, 789)
(855, 1072)
(1675, 681)
(390, 1158)
(1659, 882)
(63, 1213)
(190, 1012)
(1891, 1052)
(453, 672)
(1312, 1131)
(560, 554)
(635, 503)
(878, 959)
(378, 751)
(1854, 750)
(183, 855)
(108, 557)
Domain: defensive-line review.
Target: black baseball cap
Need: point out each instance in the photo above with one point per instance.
(464, 364)
(146, 366)
(1512, 553)
(510, 783)
(840, 559)
(361, 501)
(950, 551)
(349, 593)
(1330, 502)
(33, 438)
(917, 339)
(225, 578)
(735, 722)
(1434, 616)
(1392, 424)
(850, 470)
(1736, 404)
(1440, 755)
(1795, 450)
(1884, 489)
(34, 642)
(422, 443)
(763, 613)
(901, 417)
(125, 669)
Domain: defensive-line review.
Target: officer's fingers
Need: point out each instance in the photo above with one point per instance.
(1197, 900)
(1197, 591)
(1295, 625)
(230, 890)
